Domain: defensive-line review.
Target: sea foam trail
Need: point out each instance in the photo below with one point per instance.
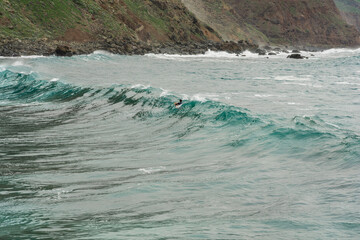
(211, 55)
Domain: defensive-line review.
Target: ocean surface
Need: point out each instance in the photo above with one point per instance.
(92, 146)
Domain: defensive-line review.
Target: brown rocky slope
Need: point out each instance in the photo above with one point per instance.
(285, 22)
(167, 26)
(350, 10)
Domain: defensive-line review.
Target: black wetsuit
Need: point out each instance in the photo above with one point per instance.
(178, 103)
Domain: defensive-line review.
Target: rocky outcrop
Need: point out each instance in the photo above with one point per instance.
(296, 56)
(64, 51)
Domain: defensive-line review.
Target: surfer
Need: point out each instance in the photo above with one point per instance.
(177, 104)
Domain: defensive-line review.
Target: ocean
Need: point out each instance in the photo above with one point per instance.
(92, 146)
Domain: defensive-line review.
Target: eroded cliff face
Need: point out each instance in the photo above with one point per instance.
(286, 22)
(124, 25)
(350, 11)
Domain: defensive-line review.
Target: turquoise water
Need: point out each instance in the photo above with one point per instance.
(92, 147)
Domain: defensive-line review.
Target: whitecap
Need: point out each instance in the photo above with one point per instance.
(140, 86)
(198, 97)
(151, 170)
(338, 52)
(347, 83)
(341, 50)
(263, 95)
(17, 63)
(28, 56)
(303, 84)
(209, 54)
(33, 56)
(164, 92)
(294, 78)
(334, 125)
(102, 52)
(203, 97)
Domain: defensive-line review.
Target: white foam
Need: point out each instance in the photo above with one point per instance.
(347, 83)
(102, 52)
(341, 50)
(214, 55)
(208, 54)
(33, 56)
(263, 95)
(204, 97)
(294, 78)
(54, 79)
(336, 52)
(17, 63)
(198, 97)
(334, 125)
(151, 170)
(303, 84)
(29, 56)
(164, 92)
(141, 86)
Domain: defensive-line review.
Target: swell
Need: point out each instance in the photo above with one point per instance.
(257, 136)
(27, 88)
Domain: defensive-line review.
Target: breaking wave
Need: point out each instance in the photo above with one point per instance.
(237, 126)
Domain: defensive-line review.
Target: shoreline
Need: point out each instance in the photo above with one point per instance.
(45, 47)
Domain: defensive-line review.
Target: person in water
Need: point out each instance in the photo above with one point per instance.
(178, 103)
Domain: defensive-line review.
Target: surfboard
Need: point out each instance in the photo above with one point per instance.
(178, 106)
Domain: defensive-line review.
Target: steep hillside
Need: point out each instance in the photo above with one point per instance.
(350, 10)
(86, 20)
(302, 23)
(142, 26)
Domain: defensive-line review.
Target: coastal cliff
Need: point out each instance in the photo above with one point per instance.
(350, 10)
(285, 22)
(167, 26)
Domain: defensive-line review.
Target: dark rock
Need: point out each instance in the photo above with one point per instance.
(271, 53)
(268, 48)
(260, 51)
(296, 56)
(295, 51)
(64, 51)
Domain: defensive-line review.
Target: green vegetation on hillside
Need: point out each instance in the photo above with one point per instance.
(259, 21)
(144, 20)
(44, 18)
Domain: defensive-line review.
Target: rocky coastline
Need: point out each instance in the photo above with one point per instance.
(17, 47)
(45, 47)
